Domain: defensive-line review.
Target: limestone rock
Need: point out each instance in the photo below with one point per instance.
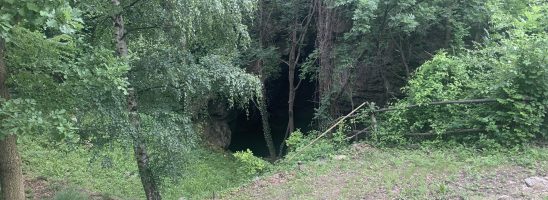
(537, 183)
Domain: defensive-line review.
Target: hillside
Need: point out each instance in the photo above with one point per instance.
(363, 172)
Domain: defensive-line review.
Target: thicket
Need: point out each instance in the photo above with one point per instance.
(507, 74)
(136, 77)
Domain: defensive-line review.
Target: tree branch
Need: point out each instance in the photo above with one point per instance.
(432, 133)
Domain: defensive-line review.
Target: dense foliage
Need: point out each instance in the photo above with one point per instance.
(127, 91)
(509, 67)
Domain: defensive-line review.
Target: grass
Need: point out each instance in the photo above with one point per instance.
(370, 173)
(71, 194)
(54, 172)
(355, 172)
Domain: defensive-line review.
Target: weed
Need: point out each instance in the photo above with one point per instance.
(70, 194)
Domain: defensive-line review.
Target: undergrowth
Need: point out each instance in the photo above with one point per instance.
(113, 171)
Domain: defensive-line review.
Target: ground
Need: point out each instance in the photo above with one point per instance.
(356, 172)
(363, 172)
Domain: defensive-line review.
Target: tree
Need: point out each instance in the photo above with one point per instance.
(32, 15)
(264, 60)
(148, 179)
(300, 17)
(10, 161)
(367, 50)
(180, 60)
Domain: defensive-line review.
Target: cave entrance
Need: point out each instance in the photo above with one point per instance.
(247, 130)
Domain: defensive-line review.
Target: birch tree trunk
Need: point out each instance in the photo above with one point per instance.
(139, 146)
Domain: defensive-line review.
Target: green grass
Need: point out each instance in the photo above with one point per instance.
(113, 172)
(389, 173)
(71, 194)
(365, 172)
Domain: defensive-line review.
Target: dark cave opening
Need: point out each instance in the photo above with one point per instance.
(247, 131)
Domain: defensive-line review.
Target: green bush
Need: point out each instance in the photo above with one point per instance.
(322, 148)
(250, 164)
(509, 68)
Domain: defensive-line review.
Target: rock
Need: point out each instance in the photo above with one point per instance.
(340, 157)
(537, 182)
(504, 197)
(217, 131)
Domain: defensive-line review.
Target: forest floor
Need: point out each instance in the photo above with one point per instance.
(359, 171)
(364, 172)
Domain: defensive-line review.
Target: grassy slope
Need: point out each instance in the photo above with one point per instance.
(50, 171)
(362, 173)
(369, 173)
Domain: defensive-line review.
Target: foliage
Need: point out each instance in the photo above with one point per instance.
(509, 68)
(206, 173)
(70, 194)
(53, 79)
(111, 170)
(321, 149)
(250, 164)
(55, 14)
(378, 44)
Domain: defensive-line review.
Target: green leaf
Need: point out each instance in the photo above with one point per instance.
(33, 7)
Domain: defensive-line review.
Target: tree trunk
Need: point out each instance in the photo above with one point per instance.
(258, 69)
(11, 174)
(324, 44)
(139, 146)
(298, 35)
(291, 76)
(266, 126)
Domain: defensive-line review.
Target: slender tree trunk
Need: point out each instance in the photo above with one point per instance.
(139, 146)
(266, 126)
(11, 174)
(264, 19)
(298, 35)
(291, 76)
(140, 150)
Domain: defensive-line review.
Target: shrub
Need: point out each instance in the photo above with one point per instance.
(510, 69)
(250, 164)
(322, 148)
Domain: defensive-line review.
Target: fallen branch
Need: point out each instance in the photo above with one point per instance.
(355, 134)
(432, 133)
(327, 131)
(469, 101)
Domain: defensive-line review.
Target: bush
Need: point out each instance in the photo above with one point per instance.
(250, 164)
(510, 69)
(322, 148)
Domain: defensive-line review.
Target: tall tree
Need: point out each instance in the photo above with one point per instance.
(180, 60)
(264, 62)
(11, 177)
(31, 15)
(148, 179)
(300, 18)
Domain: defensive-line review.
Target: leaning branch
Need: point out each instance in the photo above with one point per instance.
(432, 133)
(328, 130)
(468, 101)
